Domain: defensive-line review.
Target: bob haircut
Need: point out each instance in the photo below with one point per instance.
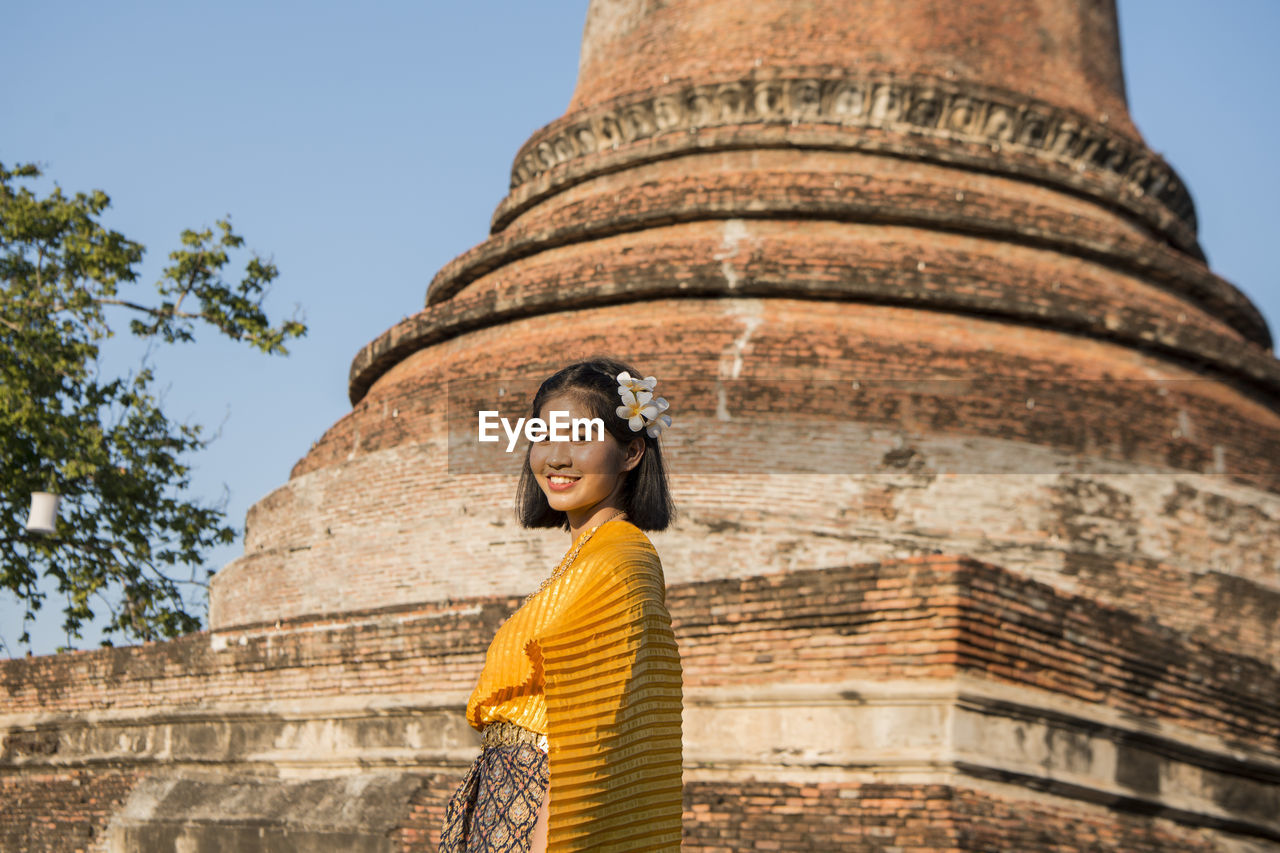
(645, 495)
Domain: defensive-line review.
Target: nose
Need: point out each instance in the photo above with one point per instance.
(558, 455)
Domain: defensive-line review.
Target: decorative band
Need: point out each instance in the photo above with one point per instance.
(948, 110)
(503, 733)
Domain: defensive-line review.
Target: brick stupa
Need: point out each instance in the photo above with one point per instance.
(978, 467)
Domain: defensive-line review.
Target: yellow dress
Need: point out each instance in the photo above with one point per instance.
(592, 663)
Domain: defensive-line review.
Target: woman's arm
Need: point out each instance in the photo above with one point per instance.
(612, 681)
(538, 844)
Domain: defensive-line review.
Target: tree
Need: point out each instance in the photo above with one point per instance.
(126, 535)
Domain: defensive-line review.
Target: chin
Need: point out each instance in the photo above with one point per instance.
(557, 504)
(561, 502)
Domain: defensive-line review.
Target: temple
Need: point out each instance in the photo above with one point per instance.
(977, 465)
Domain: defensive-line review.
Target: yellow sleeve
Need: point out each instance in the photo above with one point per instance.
(612, 687)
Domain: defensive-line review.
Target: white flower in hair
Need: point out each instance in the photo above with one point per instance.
(661, 422)
(639, 408)
(626, 382)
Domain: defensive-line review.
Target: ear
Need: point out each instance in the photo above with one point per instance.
(634, 453)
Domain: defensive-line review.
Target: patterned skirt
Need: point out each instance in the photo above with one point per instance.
(496, 807)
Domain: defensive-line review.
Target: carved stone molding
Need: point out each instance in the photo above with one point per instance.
(984, 730)
(941, 111)
(264, 766)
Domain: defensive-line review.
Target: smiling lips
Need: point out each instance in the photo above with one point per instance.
(560, 482)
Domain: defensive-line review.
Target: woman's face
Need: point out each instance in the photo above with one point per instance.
(581, 478)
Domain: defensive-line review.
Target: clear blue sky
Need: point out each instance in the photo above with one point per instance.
(365, 145)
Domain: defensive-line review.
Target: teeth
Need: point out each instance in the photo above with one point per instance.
(561, 480)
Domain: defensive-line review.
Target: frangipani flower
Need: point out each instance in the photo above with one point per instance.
(658, 424)
(626, 382)
(639, 408)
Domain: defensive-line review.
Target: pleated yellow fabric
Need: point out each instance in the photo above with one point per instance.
(592, 663)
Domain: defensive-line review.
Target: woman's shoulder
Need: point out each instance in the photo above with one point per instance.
(623, 558)
(621, 538)
(619, 547)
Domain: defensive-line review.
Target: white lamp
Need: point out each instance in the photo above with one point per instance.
(44, 513)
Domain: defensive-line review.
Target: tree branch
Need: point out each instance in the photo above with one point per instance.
(155, 312)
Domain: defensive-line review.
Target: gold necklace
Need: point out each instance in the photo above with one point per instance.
(572, 555)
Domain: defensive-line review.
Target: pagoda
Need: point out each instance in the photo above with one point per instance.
(977, 466)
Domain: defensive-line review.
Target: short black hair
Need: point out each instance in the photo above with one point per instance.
(645, 494)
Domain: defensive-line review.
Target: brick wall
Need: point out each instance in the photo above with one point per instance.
(880, 818)
(628, 46)
(879, 472)
(62, 811)
(923, 618)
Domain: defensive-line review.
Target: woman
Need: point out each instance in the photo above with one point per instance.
(580, 696)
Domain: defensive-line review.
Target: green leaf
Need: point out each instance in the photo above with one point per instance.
(129, 539)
